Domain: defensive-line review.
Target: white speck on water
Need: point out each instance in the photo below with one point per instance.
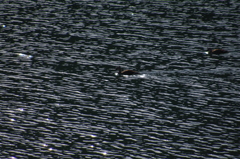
(44, 145)
(20, 109)
(93, 136)
(25, 56)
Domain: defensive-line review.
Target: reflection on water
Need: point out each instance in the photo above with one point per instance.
(60, 97)
(132, 76)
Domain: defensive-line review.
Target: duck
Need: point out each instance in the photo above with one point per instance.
(216, 51)
(126, 72)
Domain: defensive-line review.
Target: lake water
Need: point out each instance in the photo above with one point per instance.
(61, 98)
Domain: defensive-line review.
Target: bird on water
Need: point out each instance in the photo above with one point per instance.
(216, 51)
(126, 72)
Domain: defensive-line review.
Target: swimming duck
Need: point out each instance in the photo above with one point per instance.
(216, 51)
(126, 72)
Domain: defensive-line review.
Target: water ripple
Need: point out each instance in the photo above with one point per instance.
(60, 96)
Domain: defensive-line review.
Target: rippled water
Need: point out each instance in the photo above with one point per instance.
(60, 97)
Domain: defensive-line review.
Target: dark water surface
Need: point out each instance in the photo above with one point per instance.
(60, 97)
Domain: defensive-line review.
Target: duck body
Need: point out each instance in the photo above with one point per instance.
(126, 72)
(216, 51)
